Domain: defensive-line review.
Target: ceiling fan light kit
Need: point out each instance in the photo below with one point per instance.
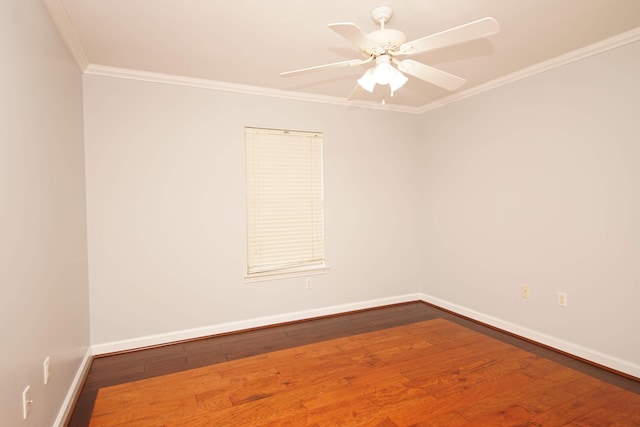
(385, 45)
(383, 74)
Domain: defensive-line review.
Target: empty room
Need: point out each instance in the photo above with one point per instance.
(320, 213)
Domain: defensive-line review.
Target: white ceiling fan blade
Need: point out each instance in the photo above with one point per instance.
(430, 74)
(355, 35)
(349, 63)
(471, 31)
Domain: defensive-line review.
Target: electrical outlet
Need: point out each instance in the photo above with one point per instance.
(47, 370)
(562, 299)
(308, 283)
(26, 402)
(525, 291)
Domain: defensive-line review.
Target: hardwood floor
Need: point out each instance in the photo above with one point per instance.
(410, 364)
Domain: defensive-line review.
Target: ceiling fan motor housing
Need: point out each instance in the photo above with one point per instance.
(389, 39)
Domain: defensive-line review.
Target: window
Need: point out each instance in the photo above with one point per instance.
(285, 220)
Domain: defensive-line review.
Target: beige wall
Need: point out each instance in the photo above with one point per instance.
(538, 183)
(166, 208)
(43, 254)
(532, 183)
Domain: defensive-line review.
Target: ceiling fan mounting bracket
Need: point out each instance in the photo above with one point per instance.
(386, 40)
(381, 15)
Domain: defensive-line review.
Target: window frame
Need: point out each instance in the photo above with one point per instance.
(264, 175)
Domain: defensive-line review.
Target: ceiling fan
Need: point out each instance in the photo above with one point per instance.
(384, 46)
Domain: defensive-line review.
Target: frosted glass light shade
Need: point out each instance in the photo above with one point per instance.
(394, 78)
(397, 80)
(368, 80)
(383, 73)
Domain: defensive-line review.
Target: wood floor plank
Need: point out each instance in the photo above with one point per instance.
(404, 365)
(481, 382)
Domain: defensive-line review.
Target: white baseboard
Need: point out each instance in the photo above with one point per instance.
(74, 390)
(222, 328)
(591, 355)
(594, 356)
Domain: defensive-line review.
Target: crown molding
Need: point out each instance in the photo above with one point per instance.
(67, 31)
(123, 73)
(69, 34)
(576, 55)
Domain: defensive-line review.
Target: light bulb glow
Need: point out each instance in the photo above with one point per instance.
(383, 74)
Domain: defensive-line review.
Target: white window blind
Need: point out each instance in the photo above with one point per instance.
(285, 224)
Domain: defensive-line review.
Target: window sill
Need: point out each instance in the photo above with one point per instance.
(286, 274)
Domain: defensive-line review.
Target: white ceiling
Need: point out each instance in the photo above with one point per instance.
(246, 44)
